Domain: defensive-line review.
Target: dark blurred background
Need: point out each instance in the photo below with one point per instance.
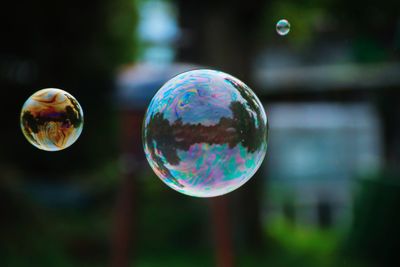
(327, 195)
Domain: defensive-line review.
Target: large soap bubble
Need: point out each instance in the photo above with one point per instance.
(51, 119)
(205, 133)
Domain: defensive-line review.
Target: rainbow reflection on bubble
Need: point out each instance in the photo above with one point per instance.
(205, 133)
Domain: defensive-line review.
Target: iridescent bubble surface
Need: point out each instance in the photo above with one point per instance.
(283, 27)
(205, 133)
(51, 119)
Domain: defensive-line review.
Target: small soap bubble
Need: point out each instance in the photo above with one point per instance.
(51, 119)
(283, 27)
(205, 133)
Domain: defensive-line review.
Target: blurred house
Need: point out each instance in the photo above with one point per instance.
(316, 151)
(326, 129)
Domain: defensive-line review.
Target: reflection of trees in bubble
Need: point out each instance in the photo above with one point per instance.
(160, 132)
(73, 113)
(69, 116)
(249, 135)
(56, 124)
(30, 121)
(248, 124)
(169, 138)
(72, 116)
(29, 125)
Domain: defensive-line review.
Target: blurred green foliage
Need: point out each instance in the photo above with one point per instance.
(375, 228)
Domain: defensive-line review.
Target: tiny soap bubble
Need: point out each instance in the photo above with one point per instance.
(283, 27)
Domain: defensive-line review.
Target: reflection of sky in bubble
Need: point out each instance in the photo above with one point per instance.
(205, 133)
